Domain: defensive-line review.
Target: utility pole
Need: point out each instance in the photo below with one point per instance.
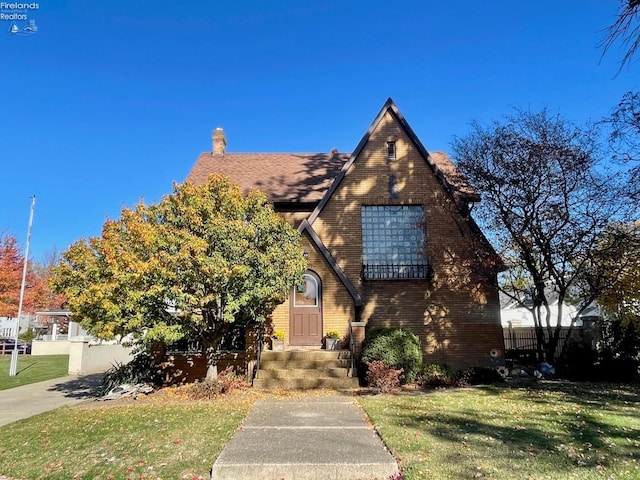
(14, 355)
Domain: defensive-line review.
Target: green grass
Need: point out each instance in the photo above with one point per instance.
(32, 369)
(545, 431)
(164, 440)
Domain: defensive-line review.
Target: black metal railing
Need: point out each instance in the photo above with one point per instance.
(260, 335)
(395, 271)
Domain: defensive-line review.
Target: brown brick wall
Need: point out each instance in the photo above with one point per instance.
(456, 315)
(294, 218)
(337, 304)
(186, 368)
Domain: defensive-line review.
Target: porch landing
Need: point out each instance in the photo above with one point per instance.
(308, 438)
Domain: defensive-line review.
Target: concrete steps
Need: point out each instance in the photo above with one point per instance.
(306, 370)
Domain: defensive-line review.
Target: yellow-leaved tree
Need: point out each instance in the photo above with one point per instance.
(202, 259)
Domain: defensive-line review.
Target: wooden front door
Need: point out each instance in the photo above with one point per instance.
(305, 319)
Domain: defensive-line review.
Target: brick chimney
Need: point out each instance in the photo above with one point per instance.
(219, 141)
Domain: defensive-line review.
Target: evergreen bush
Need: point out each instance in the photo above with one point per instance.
(435, 375)
(397, 347)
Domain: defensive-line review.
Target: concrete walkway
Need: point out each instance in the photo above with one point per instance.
(304, 439)
(28, 400)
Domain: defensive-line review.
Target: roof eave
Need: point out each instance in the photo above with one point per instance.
(306, 226)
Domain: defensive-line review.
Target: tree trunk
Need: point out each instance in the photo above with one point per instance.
(212, 372)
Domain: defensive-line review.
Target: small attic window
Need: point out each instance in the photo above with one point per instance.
(391, 151)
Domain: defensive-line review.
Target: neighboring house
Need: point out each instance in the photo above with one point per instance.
(519, 330)
(515, 315)
(8, 325)
(57, 325)
(389, 240)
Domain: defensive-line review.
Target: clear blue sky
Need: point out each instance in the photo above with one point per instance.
(110, 102)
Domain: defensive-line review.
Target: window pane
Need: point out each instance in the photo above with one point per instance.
(394, 241)
(306, 292)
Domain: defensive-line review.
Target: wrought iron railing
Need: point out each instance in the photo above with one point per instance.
(260, 335)
(395, 271)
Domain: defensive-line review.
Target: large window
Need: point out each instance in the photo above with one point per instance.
(393, 242)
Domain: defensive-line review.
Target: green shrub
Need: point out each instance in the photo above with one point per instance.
(434, 375)
(397, 347)
(142, 369)
(577, 362)
(27, 336)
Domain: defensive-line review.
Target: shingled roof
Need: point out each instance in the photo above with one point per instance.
(306, 177)
(284, 177)
(298, 177)
(453, 176)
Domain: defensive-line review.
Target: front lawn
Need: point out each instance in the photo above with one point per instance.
(546, 431)
(543, 431)
(32, 369)
(162, 439)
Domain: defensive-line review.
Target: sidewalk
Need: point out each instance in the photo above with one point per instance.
(311, 438)
(28, 400)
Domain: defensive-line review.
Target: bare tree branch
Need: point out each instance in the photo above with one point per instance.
(626, 30)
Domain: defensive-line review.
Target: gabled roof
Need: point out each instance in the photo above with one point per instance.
(307, 177)
(284, 177)
(444, 169)
(305, 226)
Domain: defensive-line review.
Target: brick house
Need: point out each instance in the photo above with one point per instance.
(389, 239)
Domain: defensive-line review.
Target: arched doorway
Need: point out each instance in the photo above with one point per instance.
(305, 307)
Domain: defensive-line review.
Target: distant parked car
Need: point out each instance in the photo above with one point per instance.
(7, 345)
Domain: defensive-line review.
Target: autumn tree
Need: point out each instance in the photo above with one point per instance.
(11, 269)
(619, 350)
(621, 300)
(546, 201)
(203, 258)
(11, 265)
(43, 275)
